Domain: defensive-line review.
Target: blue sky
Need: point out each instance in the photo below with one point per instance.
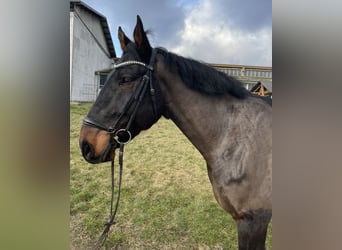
(213, 31)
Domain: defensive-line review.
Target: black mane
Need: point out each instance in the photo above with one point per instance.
(203, 78)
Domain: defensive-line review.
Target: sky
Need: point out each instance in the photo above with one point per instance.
(212, 31)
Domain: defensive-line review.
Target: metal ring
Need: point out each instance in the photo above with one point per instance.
(124, 133)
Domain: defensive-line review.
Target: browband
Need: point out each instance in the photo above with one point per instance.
(131, 63)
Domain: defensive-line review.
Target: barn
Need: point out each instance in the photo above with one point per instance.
(91, 49)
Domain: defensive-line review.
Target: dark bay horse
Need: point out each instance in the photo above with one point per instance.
(228, 125)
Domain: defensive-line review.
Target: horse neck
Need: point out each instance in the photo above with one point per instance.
(197, 115)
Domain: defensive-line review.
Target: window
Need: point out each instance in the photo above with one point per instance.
(103, 78)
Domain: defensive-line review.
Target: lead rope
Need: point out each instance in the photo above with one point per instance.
(112, 214)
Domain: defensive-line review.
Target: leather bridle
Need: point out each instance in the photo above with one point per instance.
(116, 132)
(136, 99)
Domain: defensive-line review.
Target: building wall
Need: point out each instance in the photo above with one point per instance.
(93, 23)
(71, 45)
(86, 55)
(248, 75)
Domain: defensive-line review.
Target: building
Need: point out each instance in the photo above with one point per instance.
(248, 75)
(91, 49)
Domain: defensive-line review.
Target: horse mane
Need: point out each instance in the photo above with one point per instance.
(203, 78)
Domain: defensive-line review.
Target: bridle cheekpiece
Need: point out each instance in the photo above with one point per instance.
(136, 99)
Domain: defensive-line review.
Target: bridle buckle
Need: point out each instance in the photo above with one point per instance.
(125, 136)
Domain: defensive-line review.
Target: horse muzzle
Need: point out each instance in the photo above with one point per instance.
(90, 156)
(96, 145)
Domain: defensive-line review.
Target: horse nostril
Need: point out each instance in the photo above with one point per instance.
(87, 150)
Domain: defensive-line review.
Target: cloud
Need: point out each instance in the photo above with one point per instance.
(217, 31)
(163, 17)
(247, 15)
(209, 36)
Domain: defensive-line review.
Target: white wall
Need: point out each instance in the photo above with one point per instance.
(86, 56)
(71, 47)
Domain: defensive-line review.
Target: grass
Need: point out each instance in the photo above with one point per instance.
(166, 200)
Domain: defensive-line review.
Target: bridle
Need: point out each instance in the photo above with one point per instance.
(135, 99)
(116, 132)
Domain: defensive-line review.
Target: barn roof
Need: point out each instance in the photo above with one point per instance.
(103, 21)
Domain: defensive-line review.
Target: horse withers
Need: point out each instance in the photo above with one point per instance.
(229, 126)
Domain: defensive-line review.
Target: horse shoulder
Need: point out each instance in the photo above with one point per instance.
(241, 165)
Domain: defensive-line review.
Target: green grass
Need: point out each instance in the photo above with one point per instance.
(166, 200)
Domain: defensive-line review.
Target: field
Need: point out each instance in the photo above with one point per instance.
(166, 200)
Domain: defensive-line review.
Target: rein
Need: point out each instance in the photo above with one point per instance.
(136, 98)
(112, 213)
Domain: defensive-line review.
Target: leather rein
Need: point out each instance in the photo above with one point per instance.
(116, 132)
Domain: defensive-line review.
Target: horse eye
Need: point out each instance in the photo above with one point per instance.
(125, 80)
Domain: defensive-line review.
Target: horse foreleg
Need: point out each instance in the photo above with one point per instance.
(252, 230)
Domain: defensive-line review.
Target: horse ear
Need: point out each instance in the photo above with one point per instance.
(141, 41)
(124, 40)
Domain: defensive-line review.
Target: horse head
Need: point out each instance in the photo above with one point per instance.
(129, 102)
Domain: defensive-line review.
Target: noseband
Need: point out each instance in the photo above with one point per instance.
(135, 99)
